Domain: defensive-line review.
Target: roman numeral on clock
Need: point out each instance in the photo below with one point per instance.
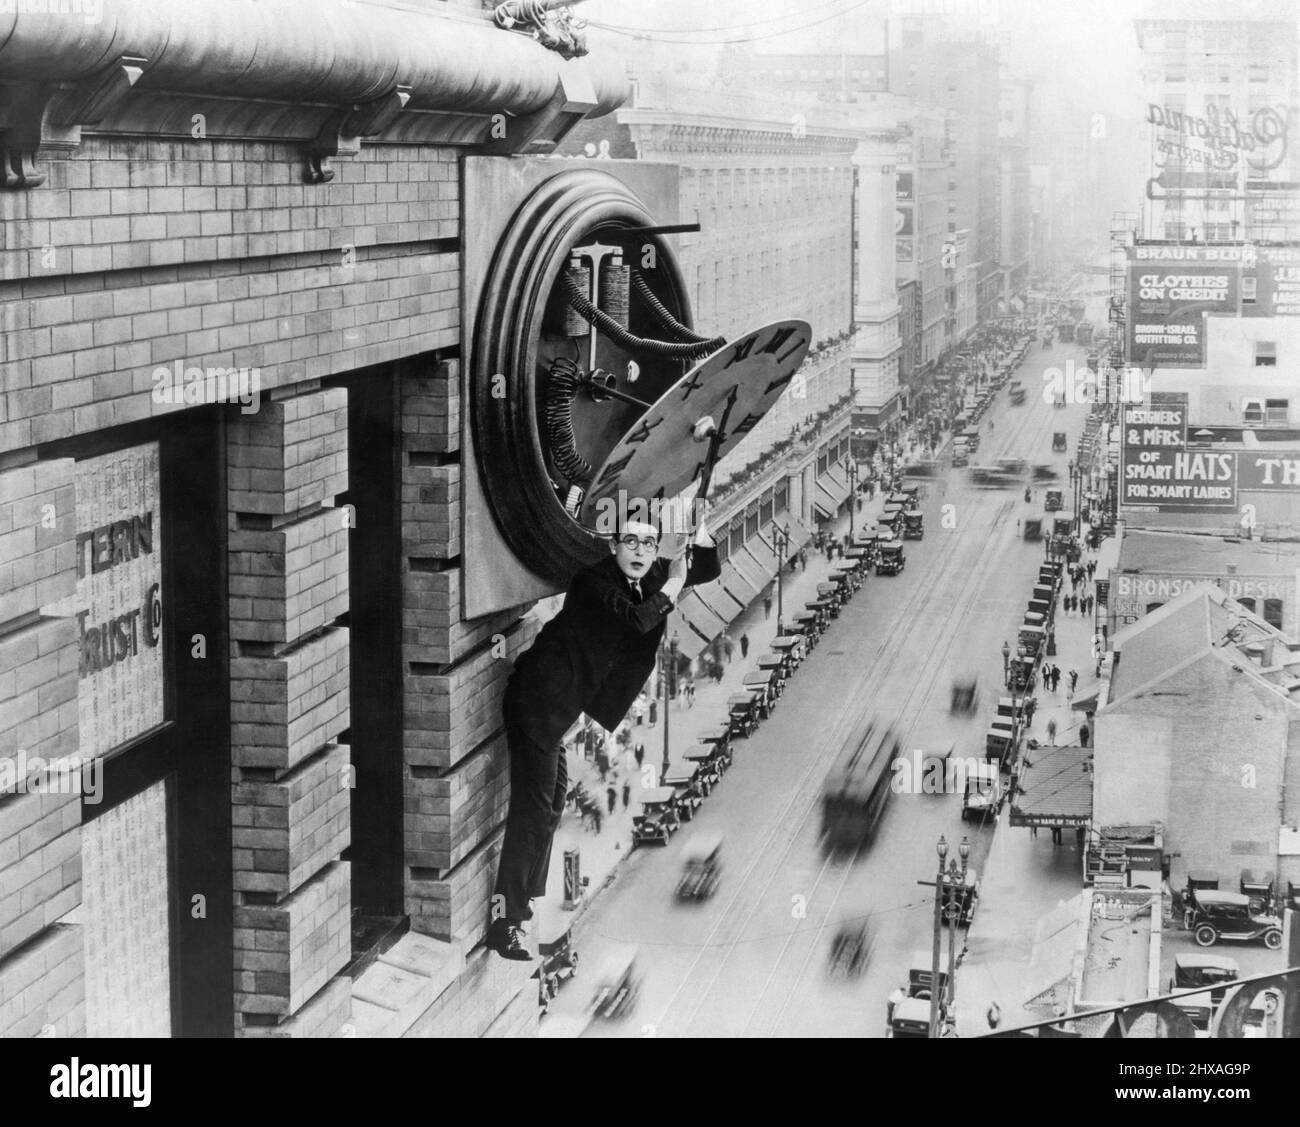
(642, 431)
(610, 474)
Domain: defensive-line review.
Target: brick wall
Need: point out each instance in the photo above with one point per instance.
(289, 677)
(41, 962)
(141, 254)
(140, 259)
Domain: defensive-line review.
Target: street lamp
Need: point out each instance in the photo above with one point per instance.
(853, 492)
(956, 876)
(670, 680)
(781, 538)
(1006, 663)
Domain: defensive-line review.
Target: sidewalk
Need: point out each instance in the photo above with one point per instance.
(1026, 874)
(602, 852)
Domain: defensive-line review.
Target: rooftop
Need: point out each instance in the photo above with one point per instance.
(1179, 553)
(1198, 623)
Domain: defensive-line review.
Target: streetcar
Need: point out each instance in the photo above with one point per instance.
(858, 787)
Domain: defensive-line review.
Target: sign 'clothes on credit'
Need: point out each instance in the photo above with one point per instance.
(118, 601)
(1173, 288)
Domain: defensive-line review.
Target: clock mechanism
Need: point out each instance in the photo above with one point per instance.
(592, 397)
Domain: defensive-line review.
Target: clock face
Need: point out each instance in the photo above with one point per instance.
(569, 409)
(668, 448)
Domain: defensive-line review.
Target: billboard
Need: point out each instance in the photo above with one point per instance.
(1172, 287)
(1158, 472)
(903, 186)
(1168, 299)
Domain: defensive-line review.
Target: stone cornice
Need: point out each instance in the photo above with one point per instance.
(324, 72)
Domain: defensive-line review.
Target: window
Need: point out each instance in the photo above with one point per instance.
(1249, 289)
(737, 537)
(751, 522)
(1153, 607)
(1257, 72)
(765, 510)
(1252, 411)
(1249, 604)
(781, 498)
(1265, 354)
(1276, 412)
(1273, 613)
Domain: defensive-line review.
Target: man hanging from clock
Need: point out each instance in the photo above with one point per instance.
(593, 657)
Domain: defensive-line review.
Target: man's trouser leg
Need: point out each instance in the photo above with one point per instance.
(538, 785)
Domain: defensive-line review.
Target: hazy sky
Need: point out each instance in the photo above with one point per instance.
(1086, 50)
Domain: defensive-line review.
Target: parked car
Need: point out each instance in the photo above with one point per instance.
(1196, 969)
(1212, 915)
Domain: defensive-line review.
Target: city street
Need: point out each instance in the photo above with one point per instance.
(752, 961)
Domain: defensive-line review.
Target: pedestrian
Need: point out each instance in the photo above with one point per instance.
(627, 793)
(1056, 835)
(611, 795)
(1092, 568)
(640, 755)
(602, 764)
(728, 646)
(1074, 678)
(744, 646)
(1079, 834)
(767, 607)
(1056, 677)
(1031, 706)
(596, 815)
(1083, 735)
(690, 693)
(1051, 731)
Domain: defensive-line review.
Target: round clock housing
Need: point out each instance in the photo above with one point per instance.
(540, 437)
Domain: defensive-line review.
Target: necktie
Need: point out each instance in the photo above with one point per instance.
(636, 588)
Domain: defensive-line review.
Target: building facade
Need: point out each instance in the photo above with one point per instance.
(1222, 97)
(236, 563)
(1198, 731)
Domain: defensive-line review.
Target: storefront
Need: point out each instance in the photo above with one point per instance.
(153, 724)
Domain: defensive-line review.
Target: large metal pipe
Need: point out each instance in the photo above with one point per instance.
(313, 51)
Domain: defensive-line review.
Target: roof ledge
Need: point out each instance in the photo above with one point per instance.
(295, 70)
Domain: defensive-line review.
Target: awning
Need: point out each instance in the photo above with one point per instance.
(832, 489)
(1056, 790)
(731, 592)
(695, 623)
(761, 552)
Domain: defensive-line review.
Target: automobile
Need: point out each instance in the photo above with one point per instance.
(1017, 392)
(1033, 528)
(922, 467)
(983, 792)
(892, 558)
(965, 695)
(960, 455)
(1015, 466)
(559, 963)
(913, 526)
(1045, 473)
(1058, 441)
(1196, 968)
(618, 983)
(1213, 915)
(849, 949)
(1054, 500)
(701, 867)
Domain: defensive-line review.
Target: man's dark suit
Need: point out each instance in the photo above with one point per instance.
(593, 657)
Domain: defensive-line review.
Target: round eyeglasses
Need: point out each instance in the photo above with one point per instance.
(631, 543)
